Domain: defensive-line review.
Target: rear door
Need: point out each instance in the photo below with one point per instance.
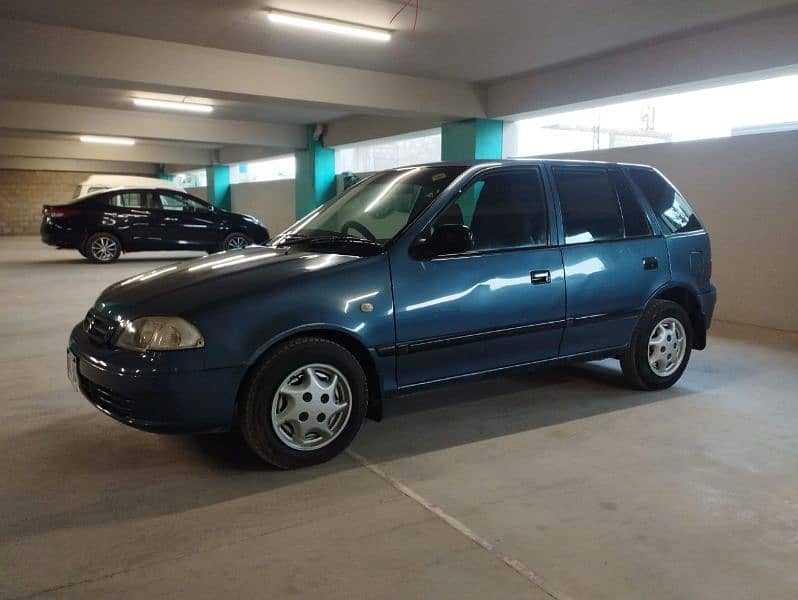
(130, 215)
(186, 222)
(613, 262)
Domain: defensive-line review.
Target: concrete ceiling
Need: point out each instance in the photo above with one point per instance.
(70, 67)
(465, 40)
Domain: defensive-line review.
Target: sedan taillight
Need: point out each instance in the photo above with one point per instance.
(60, 213)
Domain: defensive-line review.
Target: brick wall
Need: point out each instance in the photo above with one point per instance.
(22, 194)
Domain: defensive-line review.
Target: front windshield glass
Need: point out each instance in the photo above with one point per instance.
(379, 207)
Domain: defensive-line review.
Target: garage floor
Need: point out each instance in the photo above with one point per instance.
(562, 484)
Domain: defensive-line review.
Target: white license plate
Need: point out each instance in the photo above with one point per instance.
(72, 370)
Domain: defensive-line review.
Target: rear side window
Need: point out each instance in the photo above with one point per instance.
(130, 200)
(673, 212)
(635, 222)
(590, 208)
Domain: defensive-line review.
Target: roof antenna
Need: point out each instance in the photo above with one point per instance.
(404, 6)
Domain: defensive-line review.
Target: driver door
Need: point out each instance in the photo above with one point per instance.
(186, 223)
(498, 305)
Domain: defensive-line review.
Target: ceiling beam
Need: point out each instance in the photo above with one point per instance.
(63, 118)
(139, 63)
(81, 166)
(723, 53)
(74, 149)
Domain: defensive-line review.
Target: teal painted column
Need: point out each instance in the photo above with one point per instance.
(218, 185)
(472, 139)
(163, 174)
(315, 175)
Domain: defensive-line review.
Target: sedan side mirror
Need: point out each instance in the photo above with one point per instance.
(448, 238)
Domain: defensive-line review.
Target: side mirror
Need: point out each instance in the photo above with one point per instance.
(445, 239)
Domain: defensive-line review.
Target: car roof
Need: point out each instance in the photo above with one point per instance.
(131, 189)
(522, 161)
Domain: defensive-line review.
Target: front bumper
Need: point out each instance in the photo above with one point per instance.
(162, 392)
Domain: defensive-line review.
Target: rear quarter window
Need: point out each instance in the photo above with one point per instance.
(674, 213)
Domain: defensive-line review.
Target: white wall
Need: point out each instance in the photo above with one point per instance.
(745, 190)
(270, 201)
(199, 192)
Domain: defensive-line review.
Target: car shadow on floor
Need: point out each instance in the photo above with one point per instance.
(144, 475)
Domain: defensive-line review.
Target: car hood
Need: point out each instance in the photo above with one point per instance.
(220, 275)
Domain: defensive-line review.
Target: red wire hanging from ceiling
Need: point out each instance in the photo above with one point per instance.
(404, 6)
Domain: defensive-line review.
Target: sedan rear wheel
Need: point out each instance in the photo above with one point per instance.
(103, 247)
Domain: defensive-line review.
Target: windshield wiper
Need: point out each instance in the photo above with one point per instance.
(293, 238)
(325, 240)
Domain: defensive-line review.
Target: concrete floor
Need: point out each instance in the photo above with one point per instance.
(563, 484)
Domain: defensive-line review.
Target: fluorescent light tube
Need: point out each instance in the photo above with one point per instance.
(101, 139)
(165, 104)
(328, 26)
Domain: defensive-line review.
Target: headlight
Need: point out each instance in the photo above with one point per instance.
(159, 333)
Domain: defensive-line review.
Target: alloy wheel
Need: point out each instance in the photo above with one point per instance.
(103, 248)
(237, 242)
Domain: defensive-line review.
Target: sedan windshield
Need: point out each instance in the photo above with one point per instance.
(376, 209)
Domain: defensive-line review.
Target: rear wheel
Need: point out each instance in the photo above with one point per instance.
(102, 247)
(236, 241)
(660, 347)
(304, 403)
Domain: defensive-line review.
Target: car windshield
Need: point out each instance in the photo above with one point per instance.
(376, 209)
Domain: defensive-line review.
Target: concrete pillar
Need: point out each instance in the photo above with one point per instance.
(472, 139)
(315, 175)
(162, 174)
(219, 185)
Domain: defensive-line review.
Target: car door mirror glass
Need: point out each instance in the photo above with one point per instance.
(445, 239)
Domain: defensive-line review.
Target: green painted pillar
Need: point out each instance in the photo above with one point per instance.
(218, 185)
(162, 174)
(315, 175)
(472, 139)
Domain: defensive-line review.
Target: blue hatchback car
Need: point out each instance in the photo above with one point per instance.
(412, 277)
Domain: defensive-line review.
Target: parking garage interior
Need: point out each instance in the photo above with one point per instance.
(562, 483)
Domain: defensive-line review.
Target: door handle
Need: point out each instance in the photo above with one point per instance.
(650, 263)
(540, 277)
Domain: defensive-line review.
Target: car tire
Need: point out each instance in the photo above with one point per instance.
(236, 241)
(303, 403)
(660, 347)
(102, 247)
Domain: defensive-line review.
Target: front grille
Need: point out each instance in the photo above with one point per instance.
(98, 328)
(108, 400)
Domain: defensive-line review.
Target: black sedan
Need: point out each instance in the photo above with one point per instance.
(101, 226)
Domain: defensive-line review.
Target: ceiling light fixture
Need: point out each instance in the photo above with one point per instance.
(165, 104)
(328, 26)
(101, 139)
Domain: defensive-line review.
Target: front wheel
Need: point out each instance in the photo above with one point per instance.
(236, 241)
(102, 247)
(660, 347)
(304, 403)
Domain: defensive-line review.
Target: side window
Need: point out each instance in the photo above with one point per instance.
(590, 207)
(170, 202)
(673, 211)
(128, 200)
(193, 205)
(635, 222)
(503, 210)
